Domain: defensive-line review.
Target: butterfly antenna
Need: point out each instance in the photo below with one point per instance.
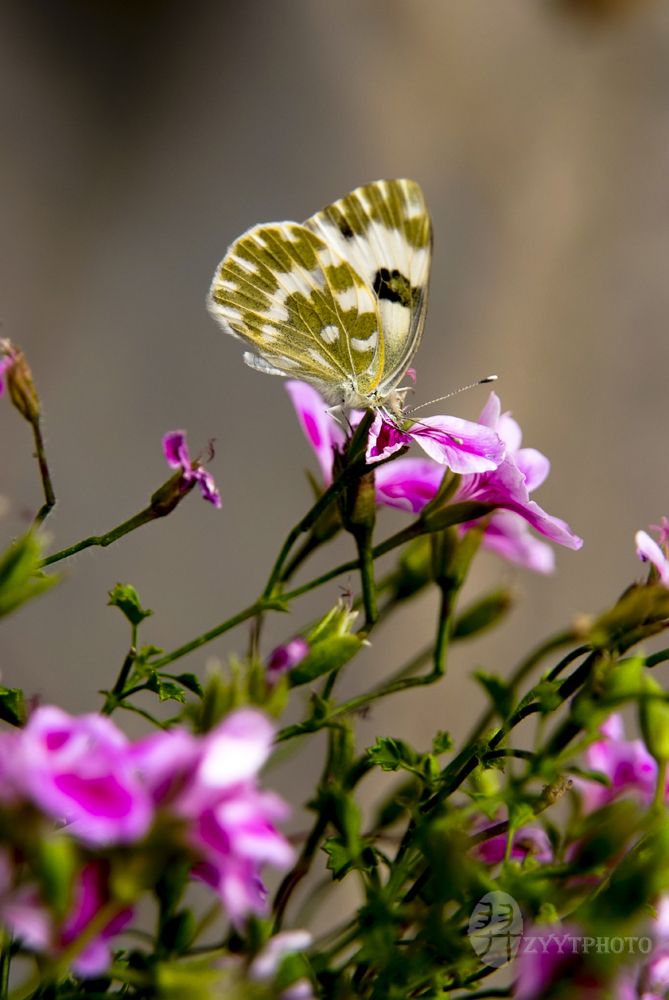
(483, 381)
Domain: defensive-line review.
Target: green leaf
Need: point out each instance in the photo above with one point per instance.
(584, 772)
(341, 860)
(389, 754)
(188, 681)
(21, 579)
(126, 598)
(165, 690)
(442, 743)
(12, 706)
(501, 694)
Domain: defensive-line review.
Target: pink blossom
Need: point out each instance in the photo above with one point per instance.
(526, 840)
(268, 960)
(284, 658)
(322, 431)
(463, 446)
(626, 763)
(508, 487)
(178, 457)
(552, 959)
(79, 771)
(211, 783)
(91, 893)
(408, 483)
(649, 551)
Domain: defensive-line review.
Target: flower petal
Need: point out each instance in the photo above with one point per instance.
(649, 551)
(384, 439)
(490, 413)
(510, 432)
(207, 486)
(508, 536)
(176, 451)
(463, 446)
(322, 431)
(533, 465)
(408, 483)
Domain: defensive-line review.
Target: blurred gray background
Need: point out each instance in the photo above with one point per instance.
(140, 138)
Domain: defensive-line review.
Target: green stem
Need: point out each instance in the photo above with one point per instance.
(125, 670)
(301, 869)
(5, 964)
(522, 670)
(661, 786)
(144, 516)
(49, 496)
(367, 580)
(201, 640)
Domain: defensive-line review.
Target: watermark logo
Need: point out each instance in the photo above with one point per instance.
(496, 929)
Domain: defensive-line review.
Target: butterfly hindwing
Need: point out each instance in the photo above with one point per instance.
(339, 301)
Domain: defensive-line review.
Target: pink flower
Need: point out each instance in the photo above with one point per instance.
(649, 551)
(626, 763)
(508, 487)
(527, 840)
(284, 658)
(407, 484)
(177, 456)
(267, 962)
(21, 909)
(211, 783)
(552, 959)
(79, 771)
(461, 445)
(91, 893)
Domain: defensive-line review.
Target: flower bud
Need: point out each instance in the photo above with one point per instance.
(332, 645)
(284, 658)
(167, 496)
(20, 383)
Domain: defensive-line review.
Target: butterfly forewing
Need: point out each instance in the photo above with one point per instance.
(339, 301)
(384, 231)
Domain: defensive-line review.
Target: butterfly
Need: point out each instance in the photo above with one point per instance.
(339, 301)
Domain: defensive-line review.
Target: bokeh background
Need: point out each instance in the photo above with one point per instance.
(140, 137)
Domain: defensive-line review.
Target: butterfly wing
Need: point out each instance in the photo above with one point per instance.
(383, 231)
(338, 302)
(303, 309)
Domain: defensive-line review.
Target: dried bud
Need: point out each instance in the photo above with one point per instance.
(20, 385)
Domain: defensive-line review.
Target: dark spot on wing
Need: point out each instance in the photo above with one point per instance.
(344, 227)
(393, 286)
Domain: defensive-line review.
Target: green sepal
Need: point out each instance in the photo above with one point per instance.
(414, 568)
(178, 932)
(126, 599)
(21, 579)
(641, 612)
(455, 513)
(12, 706)
(323, 657)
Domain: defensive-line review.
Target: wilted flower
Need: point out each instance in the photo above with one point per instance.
(178, 457)
(626, 763)
(282, 659)
(15, 372)
(78, 771)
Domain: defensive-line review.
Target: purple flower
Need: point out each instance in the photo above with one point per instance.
(626, 763)
(322, 431)
(284, 658)
(79, 771)
(526, 840)
(508, 487)
(649, 551)
(461, 445)
(177, 456)
(211, 783)
(6, 362)
(553, 959)
(90, 894)
(408, 483)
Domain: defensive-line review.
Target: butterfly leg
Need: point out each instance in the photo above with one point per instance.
(338, 414)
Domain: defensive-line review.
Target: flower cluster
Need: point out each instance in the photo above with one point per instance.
(488, 456)
(626, 764)
(104, 792)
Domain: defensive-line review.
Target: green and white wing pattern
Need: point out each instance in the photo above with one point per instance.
(384, 232)
(338, 302)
